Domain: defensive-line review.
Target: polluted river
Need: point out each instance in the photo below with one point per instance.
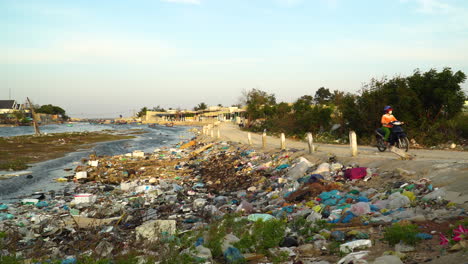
(40, 176)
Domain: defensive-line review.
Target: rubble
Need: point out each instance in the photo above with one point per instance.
(218, 201)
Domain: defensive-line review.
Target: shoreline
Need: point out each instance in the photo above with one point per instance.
(18, 152)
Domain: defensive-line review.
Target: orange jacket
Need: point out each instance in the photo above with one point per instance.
(387, 119)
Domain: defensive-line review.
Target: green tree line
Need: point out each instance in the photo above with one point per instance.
(431, 104)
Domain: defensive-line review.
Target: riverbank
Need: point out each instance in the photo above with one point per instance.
(200, 201)
(19, 151)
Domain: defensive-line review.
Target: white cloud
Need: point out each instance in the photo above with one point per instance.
(87, 49)
(196, 2)
(433, 6)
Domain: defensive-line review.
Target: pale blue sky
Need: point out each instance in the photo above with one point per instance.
(108, 57)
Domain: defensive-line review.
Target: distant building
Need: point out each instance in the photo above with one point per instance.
(9, 106)
(211, 114)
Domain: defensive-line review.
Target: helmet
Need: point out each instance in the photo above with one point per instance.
(387, 108)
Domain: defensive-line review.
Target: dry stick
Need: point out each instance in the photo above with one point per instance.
(353, 143)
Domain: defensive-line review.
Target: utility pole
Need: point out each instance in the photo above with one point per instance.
(36, 127)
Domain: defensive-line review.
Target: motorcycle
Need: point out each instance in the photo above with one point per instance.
(397, 137)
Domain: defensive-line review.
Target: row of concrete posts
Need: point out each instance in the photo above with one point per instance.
(212, 130)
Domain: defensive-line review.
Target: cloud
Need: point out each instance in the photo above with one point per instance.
(289, 3)
(433, 6)
(195, 2)
(86, 49)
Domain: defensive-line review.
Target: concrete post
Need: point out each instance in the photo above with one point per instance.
(249, 138)
(310, 142)
(211, 132)
(353, 143)
(218, 133)
(283, 142)
(264, 139)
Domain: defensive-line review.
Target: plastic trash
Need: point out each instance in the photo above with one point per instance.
(322, 168)
(353, 257)
(42, 204)
(338, 235)
(356, 244)
(199, 203)
(410, 195)
(355, 173)
(397, 200)
(360, 208)
(228, 241)
(203, 253)
(313, 217)
(245, 207)
(3, 207)
(233, 255)
(435, 195)
(387, 259)
(6, 216)
(299, 169)
(256, 217)
(424, 236)
(68, 260)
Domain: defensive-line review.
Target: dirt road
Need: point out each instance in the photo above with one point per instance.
(444, 168)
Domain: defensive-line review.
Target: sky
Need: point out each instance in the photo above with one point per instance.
(112, 57)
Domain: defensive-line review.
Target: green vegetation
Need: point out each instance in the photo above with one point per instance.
(200, 106)
(17, 152)
(430, 103)
(404, 233)
(52, 110)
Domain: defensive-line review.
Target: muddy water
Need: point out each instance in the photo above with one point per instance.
(40, 177)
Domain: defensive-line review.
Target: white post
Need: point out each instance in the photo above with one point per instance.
(249, 138)
(353, 143)
(204, 130)
(264, 138)
(310, 141)
(283, 141)
(218, 133)
(211, 132)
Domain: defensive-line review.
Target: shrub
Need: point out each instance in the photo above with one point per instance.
(405, 233)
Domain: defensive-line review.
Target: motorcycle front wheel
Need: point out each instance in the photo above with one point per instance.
(403, 143)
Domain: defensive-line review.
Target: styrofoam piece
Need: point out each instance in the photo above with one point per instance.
(84, 198)
(81, 175)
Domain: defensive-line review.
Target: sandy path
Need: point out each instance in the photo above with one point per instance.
(444, 168)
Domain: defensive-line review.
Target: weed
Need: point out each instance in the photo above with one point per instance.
(16, 164)
(405, 233)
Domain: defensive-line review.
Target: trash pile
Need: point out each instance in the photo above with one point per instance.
(218, 203)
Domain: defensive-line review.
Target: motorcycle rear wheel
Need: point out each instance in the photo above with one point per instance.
(381, 144)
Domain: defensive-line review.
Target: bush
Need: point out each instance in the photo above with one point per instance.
(405, 233)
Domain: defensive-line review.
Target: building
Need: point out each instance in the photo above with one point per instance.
(9, 106)
(211, 114)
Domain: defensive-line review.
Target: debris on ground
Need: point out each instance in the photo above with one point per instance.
(222, 202)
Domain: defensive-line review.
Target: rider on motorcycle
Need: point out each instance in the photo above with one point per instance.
(386, 121)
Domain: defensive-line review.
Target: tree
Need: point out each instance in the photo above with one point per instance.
(259, 104)
(158, 109)
(220, 105)
(52, 110)
(200, 106)
(322, 96)
(303, 104)
(440, 93)
(142, 112)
